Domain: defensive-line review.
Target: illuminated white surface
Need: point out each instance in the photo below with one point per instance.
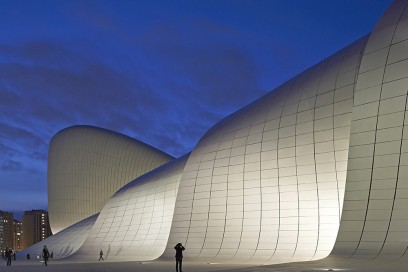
(135, 223)
(316, 166)
(87, 165)
(266, 184)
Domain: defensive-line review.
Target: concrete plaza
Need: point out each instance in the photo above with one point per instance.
(337, 264)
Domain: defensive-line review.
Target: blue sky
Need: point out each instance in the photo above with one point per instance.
(161, 71)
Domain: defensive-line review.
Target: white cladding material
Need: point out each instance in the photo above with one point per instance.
(135, 223)
(266, 184)
(87, 165)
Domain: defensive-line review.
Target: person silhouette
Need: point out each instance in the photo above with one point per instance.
(101, 255)
(9, 254)
(46, 255)
(179, 256)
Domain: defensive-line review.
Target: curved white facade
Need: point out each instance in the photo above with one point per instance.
(87, 165)
(318, 166)
(375, 214)
(135, 223)
(269, 180)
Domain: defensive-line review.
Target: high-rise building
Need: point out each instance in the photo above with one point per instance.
(17, 235)
(6, 231)
(36, 227)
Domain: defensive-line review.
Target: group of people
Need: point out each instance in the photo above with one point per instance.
(9, 254)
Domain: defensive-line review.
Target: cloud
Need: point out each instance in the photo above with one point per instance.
(10, 165)
(58, 87)
(19, 135)
(6, 150)
(167, 93)
(211, 70)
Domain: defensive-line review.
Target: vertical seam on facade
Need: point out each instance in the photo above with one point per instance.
(314, 158)
(209, 198)
(192, 201)
(296, 172)
(277, 165)
(243, 198)
(260, 188)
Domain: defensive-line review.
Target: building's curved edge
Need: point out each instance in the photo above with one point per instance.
(375, 218)
(87, 165)
(118, 134)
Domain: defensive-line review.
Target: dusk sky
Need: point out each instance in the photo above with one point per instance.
(162, 71)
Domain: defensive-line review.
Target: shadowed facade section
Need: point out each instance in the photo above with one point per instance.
(64, 243)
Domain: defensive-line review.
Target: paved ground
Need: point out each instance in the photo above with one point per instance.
(161, 266)
(62, 266)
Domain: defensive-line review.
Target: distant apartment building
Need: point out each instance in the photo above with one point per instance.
(6, 231)
(36, 227)
(17, 235)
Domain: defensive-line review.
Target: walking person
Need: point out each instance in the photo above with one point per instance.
(179, 256)
(101, 255)
(46, 255)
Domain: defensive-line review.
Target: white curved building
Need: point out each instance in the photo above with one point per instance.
(317, 166)
(87, 165)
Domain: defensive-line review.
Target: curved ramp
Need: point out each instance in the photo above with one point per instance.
(64, 243)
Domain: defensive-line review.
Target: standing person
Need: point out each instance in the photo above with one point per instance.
(101, 255)
(9, 254)
(179, 256)
(46, 255)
